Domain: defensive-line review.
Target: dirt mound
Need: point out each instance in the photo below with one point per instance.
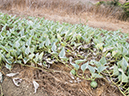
(58, 83)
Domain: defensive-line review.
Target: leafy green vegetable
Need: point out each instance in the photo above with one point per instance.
(115, 71)
(84, 66)
(38, 41)
(62, 53)
(73, 72)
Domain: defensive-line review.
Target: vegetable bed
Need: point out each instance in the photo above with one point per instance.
(39, 43)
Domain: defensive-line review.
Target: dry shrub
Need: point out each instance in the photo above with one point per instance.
(71, 7)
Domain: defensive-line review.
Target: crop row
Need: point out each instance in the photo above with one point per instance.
(40, 42)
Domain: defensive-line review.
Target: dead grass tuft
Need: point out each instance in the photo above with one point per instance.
(70, 7)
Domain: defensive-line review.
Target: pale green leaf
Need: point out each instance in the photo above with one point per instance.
(47, 42)
(75, 66)
(59, 37)
(28, 42)
(62, 53)
(103, 61)
(27, 50)
(115, 71)
(17, 44)
(79, 61)
(73, 72)
(54, 47)
(25, 60)
(36, 58)
(8, 61)
(125, 51)
(41, 56)
(31, 56)
(124, 64)
(20, 57)
(84, 66)
(41, 45)
(22, 32)
(92, 69)
(8, 66)
(95, 75)
(101, 68)
(124, 78)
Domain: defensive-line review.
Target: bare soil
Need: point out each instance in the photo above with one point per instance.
(59, 82)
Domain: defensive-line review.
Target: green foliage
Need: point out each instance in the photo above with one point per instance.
(125, 6)
(116, 3)
(40, 42)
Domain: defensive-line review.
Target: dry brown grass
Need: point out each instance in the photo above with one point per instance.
(69, 6)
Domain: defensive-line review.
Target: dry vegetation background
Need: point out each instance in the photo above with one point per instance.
(71, 11)
(75, 7)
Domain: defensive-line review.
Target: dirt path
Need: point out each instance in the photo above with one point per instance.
(90, 19)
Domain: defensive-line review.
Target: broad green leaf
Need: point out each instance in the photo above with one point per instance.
(25, 60)
(103, 61)
(94, 62)
(41, 45)
(28, 42)
(47, 42)
(125, 51)
(27, 50)
(99, 46)
(84, 66)
(114, 53)
(8, 55)
(101, 68)
(32, 50)
(79, 61)
(8, 66)
(75, 66)
(124, 78)
(13, 52)
(92, 69)
(126, 58)
(4, 28)
(4, 48)
(31, 56)
(20, 57)
(62, 53)
(8, 61)
(73, 72)
(17, 44)
(40, 56)
(115, 71)
(124, 64)
(23, 48)
(54, 47)
(22, 32)
(36, 58)
(59, 37)
(95, 75)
